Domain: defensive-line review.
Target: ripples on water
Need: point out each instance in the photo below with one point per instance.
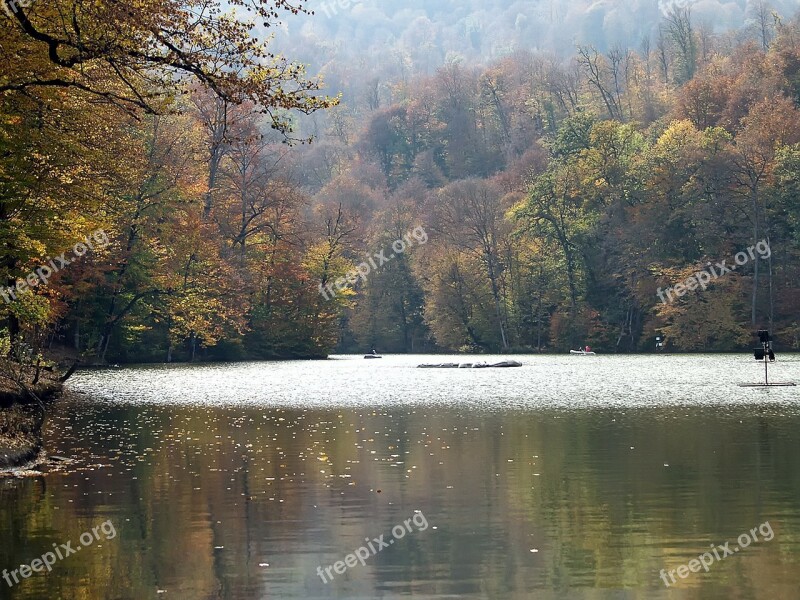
(570, 477)
(571, 382)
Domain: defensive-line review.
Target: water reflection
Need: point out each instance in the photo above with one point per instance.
(245, 502)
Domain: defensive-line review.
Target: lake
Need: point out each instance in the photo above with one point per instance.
(570, 477)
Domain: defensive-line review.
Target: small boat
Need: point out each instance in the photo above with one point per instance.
(582, 352)
(372, 356)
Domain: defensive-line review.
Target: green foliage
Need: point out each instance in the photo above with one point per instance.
(573, 136)
(5, 342)
(551, 226)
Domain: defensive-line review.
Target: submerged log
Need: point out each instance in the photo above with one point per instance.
(477, 365)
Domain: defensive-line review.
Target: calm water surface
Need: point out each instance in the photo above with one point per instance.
(571, 477)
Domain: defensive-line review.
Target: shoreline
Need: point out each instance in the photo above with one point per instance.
(44, 392)
(21, 445)
(334, 355)
(23, 408)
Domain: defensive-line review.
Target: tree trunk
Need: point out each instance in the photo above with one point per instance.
(404, 323)
(104, 350)
(496, 296)
(754, 299)
(771, 294)
(539, 323)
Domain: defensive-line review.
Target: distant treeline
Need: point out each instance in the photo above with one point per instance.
(564, 199)
(556, 197)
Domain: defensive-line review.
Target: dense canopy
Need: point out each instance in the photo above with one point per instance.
(562, 199)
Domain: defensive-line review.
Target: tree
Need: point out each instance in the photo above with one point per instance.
(763, 22)
(133, 56)
(604, 78)
(681, 34)
(471, 216)
(771, 124)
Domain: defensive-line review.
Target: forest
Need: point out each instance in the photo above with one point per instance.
(200, 190)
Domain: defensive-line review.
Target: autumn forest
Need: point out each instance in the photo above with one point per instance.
(558, 194)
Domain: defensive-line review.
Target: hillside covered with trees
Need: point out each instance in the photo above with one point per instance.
(562, 195)
(558, 193)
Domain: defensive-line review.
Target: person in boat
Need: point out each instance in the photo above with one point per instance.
(374, 353)
(588, 349)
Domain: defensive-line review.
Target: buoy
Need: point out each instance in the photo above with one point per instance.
(765, 354)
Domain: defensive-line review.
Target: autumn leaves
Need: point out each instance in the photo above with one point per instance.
(43, 273)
